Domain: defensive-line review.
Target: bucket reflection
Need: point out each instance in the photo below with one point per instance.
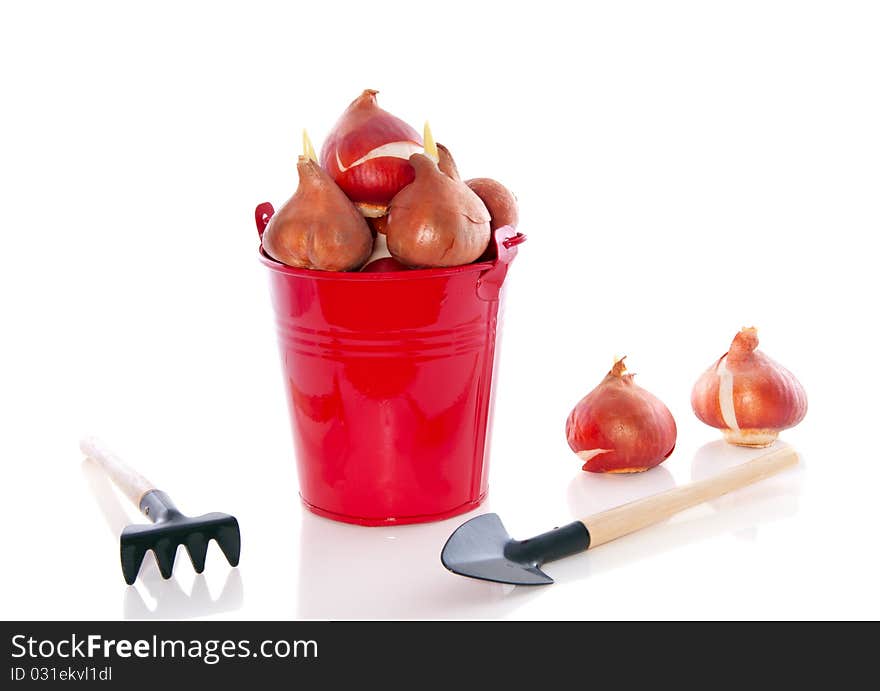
(352, 572)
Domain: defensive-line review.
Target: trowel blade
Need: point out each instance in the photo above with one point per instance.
(476, 549)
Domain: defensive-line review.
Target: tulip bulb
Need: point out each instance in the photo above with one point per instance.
(318, 227)
(747, 395)
(499, 200)
(619, 427)
(436, 221)
(367, 154)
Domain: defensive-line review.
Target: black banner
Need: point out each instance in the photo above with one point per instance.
(406, 654)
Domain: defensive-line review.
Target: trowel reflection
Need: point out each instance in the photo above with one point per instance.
(741, 512)
(351, 572)
(778, 495)
(171, 600)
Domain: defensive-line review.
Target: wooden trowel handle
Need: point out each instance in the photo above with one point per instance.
(622, 520)
(133, 484)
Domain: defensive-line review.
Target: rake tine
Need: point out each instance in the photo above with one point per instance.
(132, 557)
(229, 540)
(197, 546)
(165, 551)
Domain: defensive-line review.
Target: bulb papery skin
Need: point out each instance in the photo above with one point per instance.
(367, 154)
(447, 163)
(436, 221)
(377, 225)
(318, 227)
(620, 427)
(748, 395)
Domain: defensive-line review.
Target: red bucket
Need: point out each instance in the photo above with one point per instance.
(389, 382)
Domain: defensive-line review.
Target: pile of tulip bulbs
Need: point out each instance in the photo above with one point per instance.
(383, 198)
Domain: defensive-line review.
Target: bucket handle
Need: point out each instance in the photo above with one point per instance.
(507, 239)
(262, 215)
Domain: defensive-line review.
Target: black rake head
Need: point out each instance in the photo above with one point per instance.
(172, 529)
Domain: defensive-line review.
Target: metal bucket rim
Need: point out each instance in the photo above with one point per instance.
(413, 274)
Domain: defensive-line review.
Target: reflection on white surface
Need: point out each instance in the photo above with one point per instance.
(152, 597)
(741, 512)
(777, 495)
(349, 571)
(353, 572)
(591, 493)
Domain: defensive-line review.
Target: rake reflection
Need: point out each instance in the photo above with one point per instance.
(173, 602)
(170, 598)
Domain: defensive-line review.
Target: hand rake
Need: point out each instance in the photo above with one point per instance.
(170, 527)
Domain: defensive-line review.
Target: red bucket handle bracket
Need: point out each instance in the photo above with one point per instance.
(262, 215)
(507, 239)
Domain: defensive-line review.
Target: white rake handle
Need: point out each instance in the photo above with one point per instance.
(132, 483)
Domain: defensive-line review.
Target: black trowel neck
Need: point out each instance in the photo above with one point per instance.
(555, 544)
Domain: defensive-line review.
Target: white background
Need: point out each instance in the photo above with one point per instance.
(684, 169)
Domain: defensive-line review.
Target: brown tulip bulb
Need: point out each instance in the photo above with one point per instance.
(318, 227)
(436, 221)
(499, 200)
(619, 427)
(747, 395)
